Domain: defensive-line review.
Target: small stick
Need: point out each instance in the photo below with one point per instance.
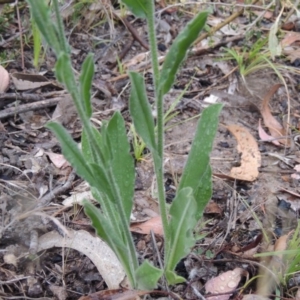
(11, 111)
(133, 31)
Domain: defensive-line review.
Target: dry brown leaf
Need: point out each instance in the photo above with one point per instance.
(213, 208)
(291, 53)
(250, 158)
(10, 258)
(224, 283)
(93, 247)
(24, 81)
(290, 38)
(154, 224)
(58, 160)
(4, 80)
(264, 136)
(276, 129)
(281, 243)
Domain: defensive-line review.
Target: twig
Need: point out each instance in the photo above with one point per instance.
(23, 96)
(30, 97)
(45, 200)
(221, 25)
(133, 31)
(4, 42)
(15, 279)
(27, 107)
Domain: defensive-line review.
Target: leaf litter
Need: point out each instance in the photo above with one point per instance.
(244, 197)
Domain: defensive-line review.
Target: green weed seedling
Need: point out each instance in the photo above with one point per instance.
(104, 160)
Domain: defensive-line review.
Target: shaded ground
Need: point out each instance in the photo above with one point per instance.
(34, 183)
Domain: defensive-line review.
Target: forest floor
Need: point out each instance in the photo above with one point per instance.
(250, 65)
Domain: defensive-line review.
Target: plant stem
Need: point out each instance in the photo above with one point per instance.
(158, 161)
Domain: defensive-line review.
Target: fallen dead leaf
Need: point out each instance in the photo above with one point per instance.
(250, 158)
(10, 258)
(59, 291)
(213, 208)
(281, 244)
(264, 136)
(58, 160)
(78, 198)
(4, 80)
(276, 129)
(224, 283)
(290, 38)
(154, 224)
(24, 81)
(291, 53)
(93, 247)
(267, 14)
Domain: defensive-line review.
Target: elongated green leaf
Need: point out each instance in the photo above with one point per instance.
(37, 43)
(72, 153)
(65, 74)
(140, 111)
(203, 191)
(103, 183)
(182, 222)
(137, 7)
(110, 234)
(178, 51)
(41, 14)
(86, 148)
(90, 146)
(86, 78)
(196, 168)
(147, 276)
(121, 163)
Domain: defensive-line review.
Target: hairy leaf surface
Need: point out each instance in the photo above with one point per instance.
(178, 51)
(121, 162)
(86, 80)
(140, 111)
(147, 276)
(196, 173)
(182, 222)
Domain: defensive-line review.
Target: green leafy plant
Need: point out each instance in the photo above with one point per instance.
(252, 59)
(138, 144)
(255, 58)
(104, 160)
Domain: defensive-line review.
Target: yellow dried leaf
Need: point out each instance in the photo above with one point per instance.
(250, 158)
